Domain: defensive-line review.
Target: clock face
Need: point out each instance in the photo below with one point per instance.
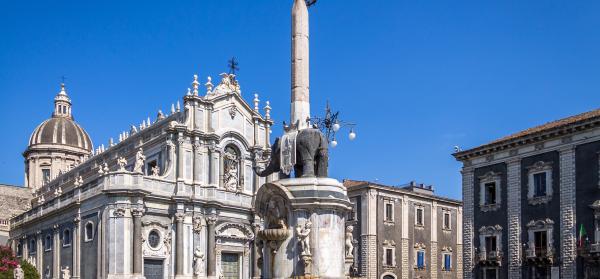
(153, 239)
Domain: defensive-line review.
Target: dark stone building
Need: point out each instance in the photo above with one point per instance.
(404, 231)
(527, 198)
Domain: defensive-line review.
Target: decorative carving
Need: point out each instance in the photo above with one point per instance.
(276, 217)
(179, 216)
(209, 85)
(122, 162)
(119, 212)
(303, 233)
(228, 84)
(139, 161)
(198, 225)
(198, 262)
(211, 220)
(234, 231)
(167, 242)
(137, 211)
(41, 199)
(349, 242)
(231, 163)
(66, 273)
(232, 112)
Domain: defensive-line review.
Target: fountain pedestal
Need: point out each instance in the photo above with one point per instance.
(303, 232)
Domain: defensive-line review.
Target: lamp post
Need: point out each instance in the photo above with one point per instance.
(330, 125)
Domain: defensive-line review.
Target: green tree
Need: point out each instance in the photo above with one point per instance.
(8, 262)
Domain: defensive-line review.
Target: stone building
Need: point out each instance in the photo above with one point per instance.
(404, 231)
(14, 200)
(528, 196)
(171, 198)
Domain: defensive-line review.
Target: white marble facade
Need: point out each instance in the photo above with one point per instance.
(171, 199)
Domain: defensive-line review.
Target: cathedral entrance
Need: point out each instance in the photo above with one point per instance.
(153, 269)
(230, 265)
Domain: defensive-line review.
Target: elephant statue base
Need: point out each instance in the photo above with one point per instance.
(313, 211)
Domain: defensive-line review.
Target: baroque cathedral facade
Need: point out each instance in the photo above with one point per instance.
(172, 198)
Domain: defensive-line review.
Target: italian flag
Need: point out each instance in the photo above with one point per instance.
(582, 233)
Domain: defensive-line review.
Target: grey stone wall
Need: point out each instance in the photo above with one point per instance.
(567, 212)
(588, 190)
(492, 218)
(550, 210)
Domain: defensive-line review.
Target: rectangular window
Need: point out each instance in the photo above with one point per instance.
(447, 262)
(539, 183)
(421, 259)
(45, 176)
(490, 193)
(541, 243)
(419, 218)
(490, 243)
(389, 212)
(389, 257)
(446, 220)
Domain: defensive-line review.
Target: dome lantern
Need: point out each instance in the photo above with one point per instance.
(62, 104)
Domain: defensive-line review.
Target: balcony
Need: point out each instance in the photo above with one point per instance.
(595, 248)
(540, 255)
(490, 258)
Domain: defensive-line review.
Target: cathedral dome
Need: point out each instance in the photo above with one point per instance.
(61, 130)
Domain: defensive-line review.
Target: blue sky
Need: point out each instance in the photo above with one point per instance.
(418, 77)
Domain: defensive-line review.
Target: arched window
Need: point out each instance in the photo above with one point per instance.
(89, 231)
(48, 243)
(19, 249)
(66, 237)
(32, 246)
(389, 277)
(231, 169)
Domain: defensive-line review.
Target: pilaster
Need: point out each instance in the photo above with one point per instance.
(76, 247)
(567, 212)
(514, 218)
(405, 241)
(434, 234)
(179, 216)
(138, 261)
(56, 252)
(211, 265)
(468, 219)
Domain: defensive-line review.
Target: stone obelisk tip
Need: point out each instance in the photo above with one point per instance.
(300, 102)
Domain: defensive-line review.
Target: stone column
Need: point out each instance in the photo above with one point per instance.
(76, 247)
(39, 252)
(300, 107)
(210, 251)
(197, 162)
(179, 216)
(468, 230)
(138, 259)
(568, 247)
(514, 218)
(56, 253)
(214, 166)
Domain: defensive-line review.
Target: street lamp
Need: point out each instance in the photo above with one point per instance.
(331, 124)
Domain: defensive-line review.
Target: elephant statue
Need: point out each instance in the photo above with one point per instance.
(311, 156)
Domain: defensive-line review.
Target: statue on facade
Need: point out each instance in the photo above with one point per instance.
(66, 273)
(18, 272)
(167, 241)
(139, 160)
(231, 169)
(122, 162)
(155, 171)
(198, 261)
(304, 238)
(349, 242)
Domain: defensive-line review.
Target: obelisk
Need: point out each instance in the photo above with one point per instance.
(300, 103)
